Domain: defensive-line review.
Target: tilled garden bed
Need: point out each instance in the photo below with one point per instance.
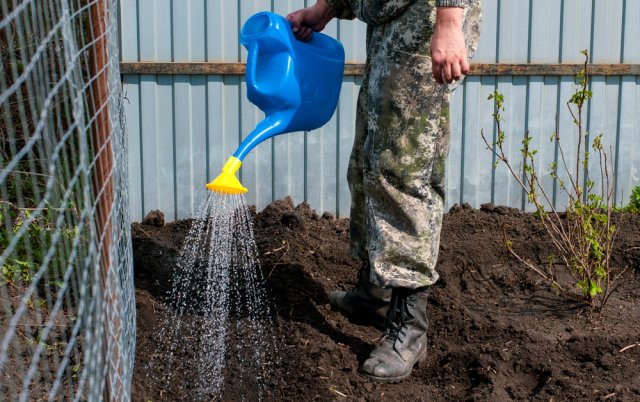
(497, 332)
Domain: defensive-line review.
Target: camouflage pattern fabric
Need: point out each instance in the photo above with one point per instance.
(397, 166)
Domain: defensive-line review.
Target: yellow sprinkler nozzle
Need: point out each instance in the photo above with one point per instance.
(227, 182)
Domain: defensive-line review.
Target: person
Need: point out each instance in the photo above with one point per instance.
(415, 48)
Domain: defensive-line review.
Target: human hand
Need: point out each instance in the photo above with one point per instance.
(448, 50)
(314, 18)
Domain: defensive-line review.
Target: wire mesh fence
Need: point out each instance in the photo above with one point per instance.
(67, 320)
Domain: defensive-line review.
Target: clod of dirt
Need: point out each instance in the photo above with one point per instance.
(328, 216)
(488, 207)
(292, 220)
(154, 218)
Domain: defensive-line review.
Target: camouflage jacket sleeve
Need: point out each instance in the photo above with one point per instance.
(453, 3)
(342, 9)
(345, 9)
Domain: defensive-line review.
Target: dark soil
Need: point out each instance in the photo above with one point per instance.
(497, 333)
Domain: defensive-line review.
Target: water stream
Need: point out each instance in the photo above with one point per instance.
(219, 310)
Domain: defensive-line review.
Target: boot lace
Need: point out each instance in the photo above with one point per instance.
(397, 316)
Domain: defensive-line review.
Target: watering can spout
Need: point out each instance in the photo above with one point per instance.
(296, 84)
(272, 125)
(227, 182)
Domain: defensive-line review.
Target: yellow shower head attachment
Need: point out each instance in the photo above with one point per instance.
(227, 182)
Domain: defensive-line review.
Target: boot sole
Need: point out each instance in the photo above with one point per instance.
(398, 379)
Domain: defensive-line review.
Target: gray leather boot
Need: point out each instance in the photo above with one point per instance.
(404, 343)
(366, 303)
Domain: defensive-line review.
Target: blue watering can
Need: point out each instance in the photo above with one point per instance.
(296, 84)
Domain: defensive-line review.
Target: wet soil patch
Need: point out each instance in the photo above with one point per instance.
(497, 333)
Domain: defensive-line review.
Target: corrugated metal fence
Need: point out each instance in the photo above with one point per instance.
(182, 127)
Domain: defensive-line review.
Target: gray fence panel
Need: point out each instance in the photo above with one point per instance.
(628, 162)
(191, 145)
(348, 100)
(182, 128)
(631, 47)
(545, 27)
(486, 52)
(514, 31)
(133, 115)
(576, 29)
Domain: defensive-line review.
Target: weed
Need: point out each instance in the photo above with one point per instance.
(29, 252)
(584, 235)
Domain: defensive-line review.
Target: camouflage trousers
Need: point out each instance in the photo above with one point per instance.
(397, 166)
